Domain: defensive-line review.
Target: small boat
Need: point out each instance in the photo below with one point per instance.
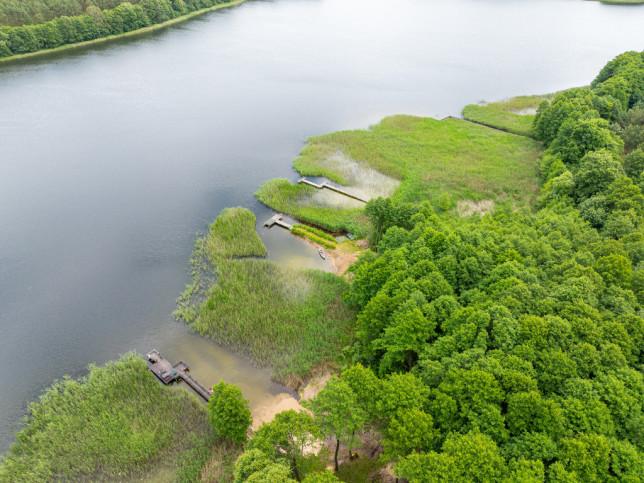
(322, 254)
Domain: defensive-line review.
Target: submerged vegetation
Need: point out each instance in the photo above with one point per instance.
(116, 423)
(288, 319)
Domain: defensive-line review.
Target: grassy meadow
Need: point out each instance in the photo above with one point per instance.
(520, 124)
(440, 161)
(117, 423)
(289, 319)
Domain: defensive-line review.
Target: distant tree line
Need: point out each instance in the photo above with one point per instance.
(71, 21)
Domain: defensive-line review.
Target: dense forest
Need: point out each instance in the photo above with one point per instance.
(27, 27)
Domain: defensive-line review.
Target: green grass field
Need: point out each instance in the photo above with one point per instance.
(440, 161)
(289, 319)
(117, 423)
(506, 121)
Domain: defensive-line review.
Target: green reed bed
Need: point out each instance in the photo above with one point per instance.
(520, 104)
(506, 121)
(233, 235)
(417, 159)
(432, 157)
(316, 231)
(116, 423)
(287, 318)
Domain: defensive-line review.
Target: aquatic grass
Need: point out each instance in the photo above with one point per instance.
(428, 159)
(261, 311)
(361, 179)
(233, 234)
(287, 318)
(117, 422)
(520, 124)
(520, 104)
(432, 157)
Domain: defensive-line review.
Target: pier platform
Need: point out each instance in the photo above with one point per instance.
(168, 373)
(332, 188)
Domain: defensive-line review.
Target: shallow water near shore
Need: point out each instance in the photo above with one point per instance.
(113, 157)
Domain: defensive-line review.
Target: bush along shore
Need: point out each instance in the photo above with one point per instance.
(290, 319)
(96, 25)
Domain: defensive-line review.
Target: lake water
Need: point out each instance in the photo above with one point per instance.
(113, 157)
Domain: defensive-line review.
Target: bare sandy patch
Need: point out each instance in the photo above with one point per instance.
(469, 207)
(266, 413)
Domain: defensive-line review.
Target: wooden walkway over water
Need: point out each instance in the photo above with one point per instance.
(277, 220)
(332, 188)
(168, 373)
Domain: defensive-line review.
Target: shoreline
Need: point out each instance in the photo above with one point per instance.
(132, 33)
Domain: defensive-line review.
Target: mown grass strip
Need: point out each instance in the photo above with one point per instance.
(317, 231)
(118, 422)
(314, 238)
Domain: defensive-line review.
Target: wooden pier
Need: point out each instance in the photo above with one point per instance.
(168, 373)
(332, 188)
(277, 220)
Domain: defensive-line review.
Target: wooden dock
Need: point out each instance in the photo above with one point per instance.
(168, 373)
(332, 188)
(277, 220)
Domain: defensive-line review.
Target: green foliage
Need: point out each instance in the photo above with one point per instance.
(229, 412)
(338, 413)
(505, 121)
(286, 437)
(321, 477)
(117, 422)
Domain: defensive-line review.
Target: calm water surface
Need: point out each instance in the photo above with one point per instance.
(112, 158)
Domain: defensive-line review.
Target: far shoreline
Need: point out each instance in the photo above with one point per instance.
(132, 33)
